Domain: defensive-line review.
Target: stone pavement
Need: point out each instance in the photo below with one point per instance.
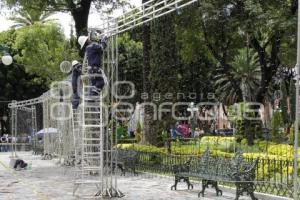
(48, 181)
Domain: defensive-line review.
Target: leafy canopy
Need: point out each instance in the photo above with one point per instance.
(40, 50)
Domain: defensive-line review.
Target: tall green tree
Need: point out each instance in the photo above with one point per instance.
(219, 29)
(224, 27)
(15, 82)
(267, 23)
(246, 72)
(30, 17)
(131, 65)
(40, 49)
(148, 116)
(79, 9)
(164, 65)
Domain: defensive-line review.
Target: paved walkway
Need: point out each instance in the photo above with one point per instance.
(48, 181)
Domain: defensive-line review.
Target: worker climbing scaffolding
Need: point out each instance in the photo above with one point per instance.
(76, 72)
(93, 52)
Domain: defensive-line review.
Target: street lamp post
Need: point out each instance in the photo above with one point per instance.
(6, 58)
(5, 118)
(295, 195)
(192, 109)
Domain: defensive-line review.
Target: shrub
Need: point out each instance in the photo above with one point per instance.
(141, 148)
(276, 125)
(121, 132)
(225, 144)
(138, 132)
(263, 145)
(186, 150)
(282, 150)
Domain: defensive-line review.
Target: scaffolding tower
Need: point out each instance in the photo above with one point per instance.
(95, 132)
(89, 135)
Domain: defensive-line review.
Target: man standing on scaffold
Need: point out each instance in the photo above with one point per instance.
(94, 52)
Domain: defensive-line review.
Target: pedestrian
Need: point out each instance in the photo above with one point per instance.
(4, 141)
(1, 144)
(94, 52)
(20, 164)
(76, 72)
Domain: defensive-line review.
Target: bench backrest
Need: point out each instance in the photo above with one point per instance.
(212, 165)
(127, 155)
(226, 168)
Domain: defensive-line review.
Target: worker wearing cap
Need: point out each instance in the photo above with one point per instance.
(76, 72)
(94, 53)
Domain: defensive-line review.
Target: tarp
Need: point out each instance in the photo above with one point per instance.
(47, 130)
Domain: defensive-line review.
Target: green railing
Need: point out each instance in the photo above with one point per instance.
(273, 176)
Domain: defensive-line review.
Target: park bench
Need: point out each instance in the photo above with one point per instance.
(212, 169)
(127, 161)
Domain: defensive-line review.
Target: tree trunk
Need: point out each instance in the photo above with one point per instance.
(148, 115)
(164, 63)
(294, 6)
(81, 16)
(159, 60)
(269, 63)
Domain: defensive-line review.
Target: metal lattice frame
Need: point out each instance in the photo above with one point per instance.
(95, 135)
(145, 13)
(18, 112)
(57, 114)
(84, 130)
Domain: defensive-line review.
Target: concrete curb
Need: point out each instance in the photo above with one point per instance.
(259, 195)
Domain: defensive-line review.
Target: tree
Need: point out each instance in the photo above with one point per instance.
(164, 67)
(223, 27)
(267, 23)
(79, 9)
(277, 124)
(212, 35)
(40, 48)
(131, 64)
(15, 83)
(286, 90)
(148, 116)
(30, 17)
(219, 29)
(246, 73)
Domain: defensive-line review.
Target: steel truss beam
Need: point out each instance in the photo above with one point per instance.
(29, 102)
(25, 109)
(147, 12)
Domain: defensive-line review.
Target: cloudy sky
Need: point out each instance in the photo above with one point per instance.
(65, 19)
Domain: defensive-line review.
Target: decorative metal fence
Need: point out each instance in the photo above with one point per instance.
(273, 176)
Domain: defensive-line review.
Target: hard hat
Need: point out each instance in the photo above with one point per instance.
(82, 40)
(74, 62)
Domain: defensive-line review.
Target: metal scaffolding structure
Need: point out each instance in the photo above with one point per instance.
(96, 134)
(23, 121)
(147, 12)
(88, 135)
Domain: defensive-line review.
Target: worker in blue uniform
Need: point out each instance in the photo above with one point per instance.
(76, 72)
(94, 52)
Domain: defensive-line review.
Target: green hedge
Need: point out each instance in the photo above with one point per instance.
(223, 146)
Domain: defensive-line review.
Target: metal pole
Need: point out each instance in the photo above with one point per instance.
(297, 111)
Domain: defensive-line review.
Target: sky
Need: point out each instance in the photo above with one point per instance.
(64, 19)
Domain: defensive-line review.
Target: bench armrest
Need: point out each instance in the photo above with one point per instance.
(246, 175)
(185, 167)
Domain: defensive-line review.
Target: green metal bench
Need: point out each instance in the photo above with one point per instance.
(127, 161)
(211, 169)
